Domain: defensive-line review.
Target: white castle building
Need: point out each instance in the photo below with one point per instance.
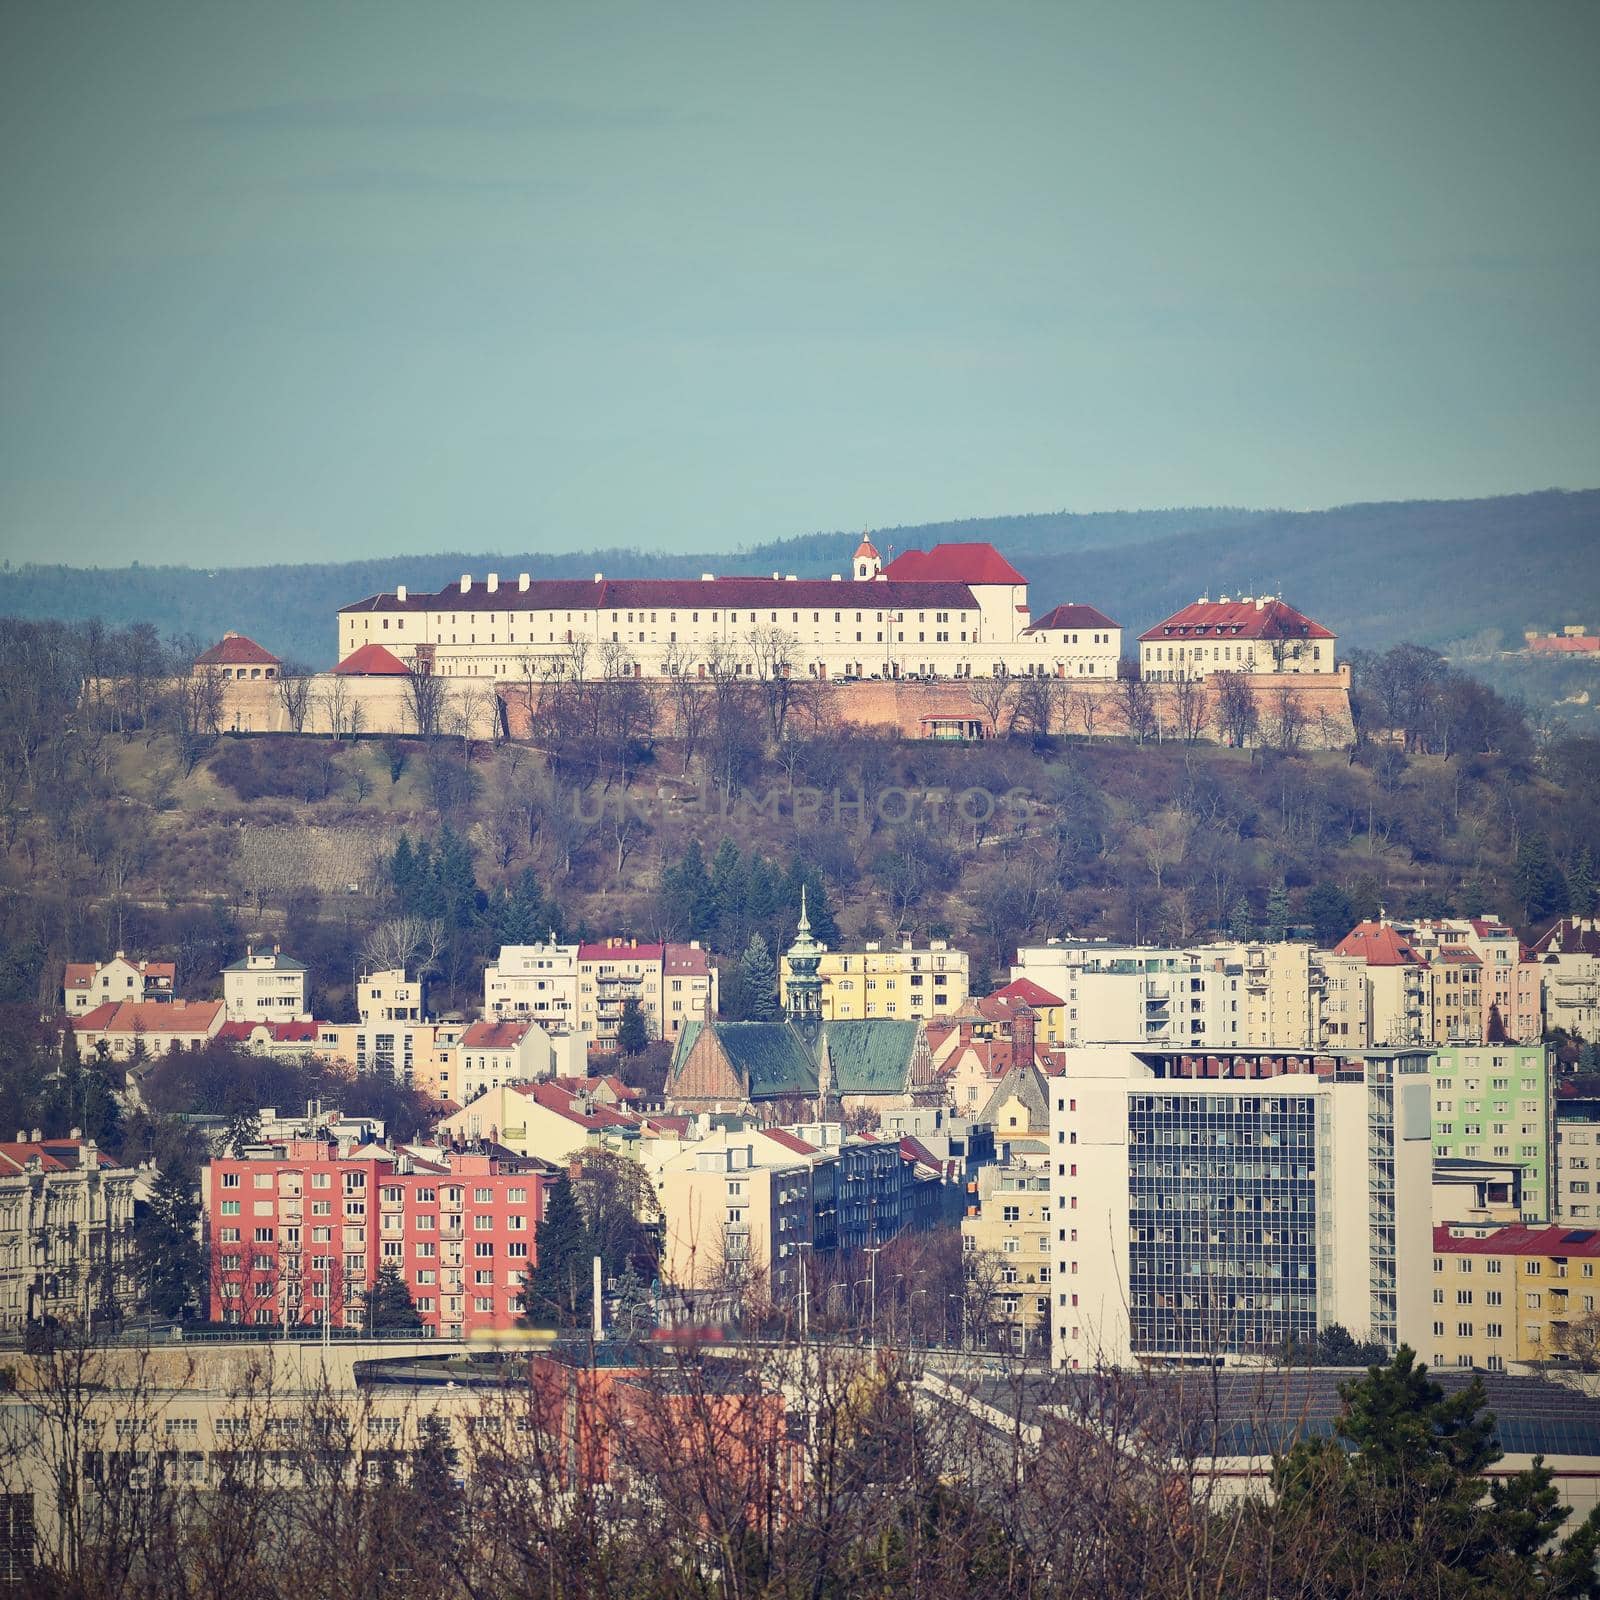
(956, 611)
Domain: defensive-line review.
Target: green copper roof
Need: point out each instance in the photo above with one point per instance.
(870, 1057)
(770, 1056)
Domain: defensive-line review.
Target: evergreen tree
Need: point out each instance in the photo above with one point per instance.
(1537, 880)
(1277, 921)
(387, 1306)
(403, 872)
(759, 978)
(1331, 913)
(166, 1247)
(633, 1034)
(688, 901)
(1240, 924)
(557, 1290)
(727, 893)
(1581, 884)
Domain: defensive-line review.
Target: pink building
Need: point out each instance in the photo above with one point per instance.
(298, 1233)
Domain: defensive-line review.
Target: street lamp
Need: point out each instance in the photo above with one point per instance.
(909, 1319)
(805, 1291)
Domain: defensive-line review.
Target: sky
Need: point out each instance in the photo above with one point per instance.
(324, 281)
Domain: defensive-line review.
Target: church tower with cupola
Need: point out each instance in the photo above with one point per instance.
(868, 563)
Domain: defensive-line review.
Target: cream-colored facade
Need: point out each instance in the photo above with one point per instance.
(66, 1232)
(1252, 634)
(908, 981)
(959, 611)
(536, 982)
(265, 986)
(1006, 1249)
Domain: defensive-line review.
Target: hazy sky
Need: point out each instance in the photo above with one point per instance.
(284, 282)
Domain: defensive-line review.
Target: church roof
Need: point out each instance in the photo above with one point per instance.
(769, 1056)
(871, 1056)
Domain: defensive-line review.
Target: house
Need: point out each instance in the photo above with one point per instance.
(66, 1231)
(285, 1040)
(544, 1120)
(265, 985)
(91, 983)
(1049, 1010)
(237, 658)
(1254, 634)
(1569, 961)
(495, 1053)
(901, 980)
(1081, 642)
(149, 1027)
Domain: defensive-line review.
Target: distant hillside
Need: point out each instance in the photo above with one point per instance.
(1430, 571)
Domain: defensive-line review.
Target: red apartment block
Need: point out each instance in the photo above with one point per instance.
(298, 1234)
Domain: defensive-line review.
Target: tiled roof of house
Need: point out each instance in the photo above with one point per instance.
(278, 1032)
(686, 960)
(1379, 945)
(80, 974)
(149, 1016)
(1237, 619)
(54, 1155)
(790, 1141)
(235, 650)
(1024, 1082)
(1070, 616)
(953, 563)
(372, 661)
(1029, 993)
(566, 1104)
(727, 593)
(494, 1035)
(770, 1057)
(1571, 936)
(279, 963)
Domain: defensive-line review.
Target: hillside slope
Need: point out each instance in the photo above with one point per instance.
(1430, 571)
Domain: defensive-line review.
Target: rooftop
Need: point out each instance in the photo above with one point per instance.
(235, 650)
(1265, 617)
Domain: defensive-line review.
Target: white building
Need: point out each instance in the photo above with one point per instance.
(390, 996)
(1255, 633)
(66, 1231)
(1219, 995)
(533, 982)
(1212, 1205)
(1569, 961)
(956, 611)
(493, 1054)
(88, 984)
(264, 985)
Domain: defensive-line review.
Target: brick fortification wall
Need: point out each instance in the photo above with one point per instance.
(1095, 708)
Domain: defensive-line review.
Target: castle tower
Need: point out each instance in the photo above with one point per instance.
(868, 563)
(803, 996)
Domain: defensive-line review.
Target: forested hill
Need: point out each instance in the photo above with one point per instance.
(1428, 571)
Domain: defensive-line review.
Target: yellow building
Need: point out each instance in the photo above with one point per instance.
(906, 981)
(1512, 1293)
(1005, 1250)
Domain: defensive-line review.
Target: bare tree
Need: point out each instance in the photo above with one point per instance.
(294, 695)
(772, 651)
(425, 700)
(687, 696)
(1035, 708)
(1235, 709)
(1288, 726)
(404, 944)
(992, 697)
(1189, 708)
(1136, 702)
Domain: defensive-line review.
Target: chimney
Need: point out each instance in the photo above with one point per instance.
(75, 1133)
(774, 577)
(1024, 1032)
(494, 582)
(707, 577)
(400, 594)
(522, 582)
(833, 577)
(35, 1136)
(599, 577)
(466, 581)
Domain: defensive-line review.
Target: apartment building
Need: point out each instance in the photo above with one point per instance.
(1224, 995)
(1495, 1102)
(1254, 633)
(904, 980)
(546, 1120)
(1511, 1293)
(1568, 957)
(583, 988)
(1575, 1163)
(66, 1231)
(89, 984)
(1508, 979)
(265, 985)
(1399, 985)
(297, 1234)
(1210, 1205)
(1008, 1252)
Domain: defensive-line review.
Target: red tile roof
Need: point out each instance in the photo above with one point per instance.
(612, 594)
(1072, 617)
(55, 1155)
(373, 661)
(80, 974)
(620, 950)
(1237, 619)
(494, 1035)
(687, 960)
(234, 650)
(790, 1141)
(953, 563)
(1028, 992)
(1379, 945)
(565, 1104)
(278, 1032)
(149, 1016)
(867, 548)
(1518, 1239)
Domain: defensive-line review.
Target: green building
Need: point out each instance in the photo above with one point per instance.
(1493, 1102)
